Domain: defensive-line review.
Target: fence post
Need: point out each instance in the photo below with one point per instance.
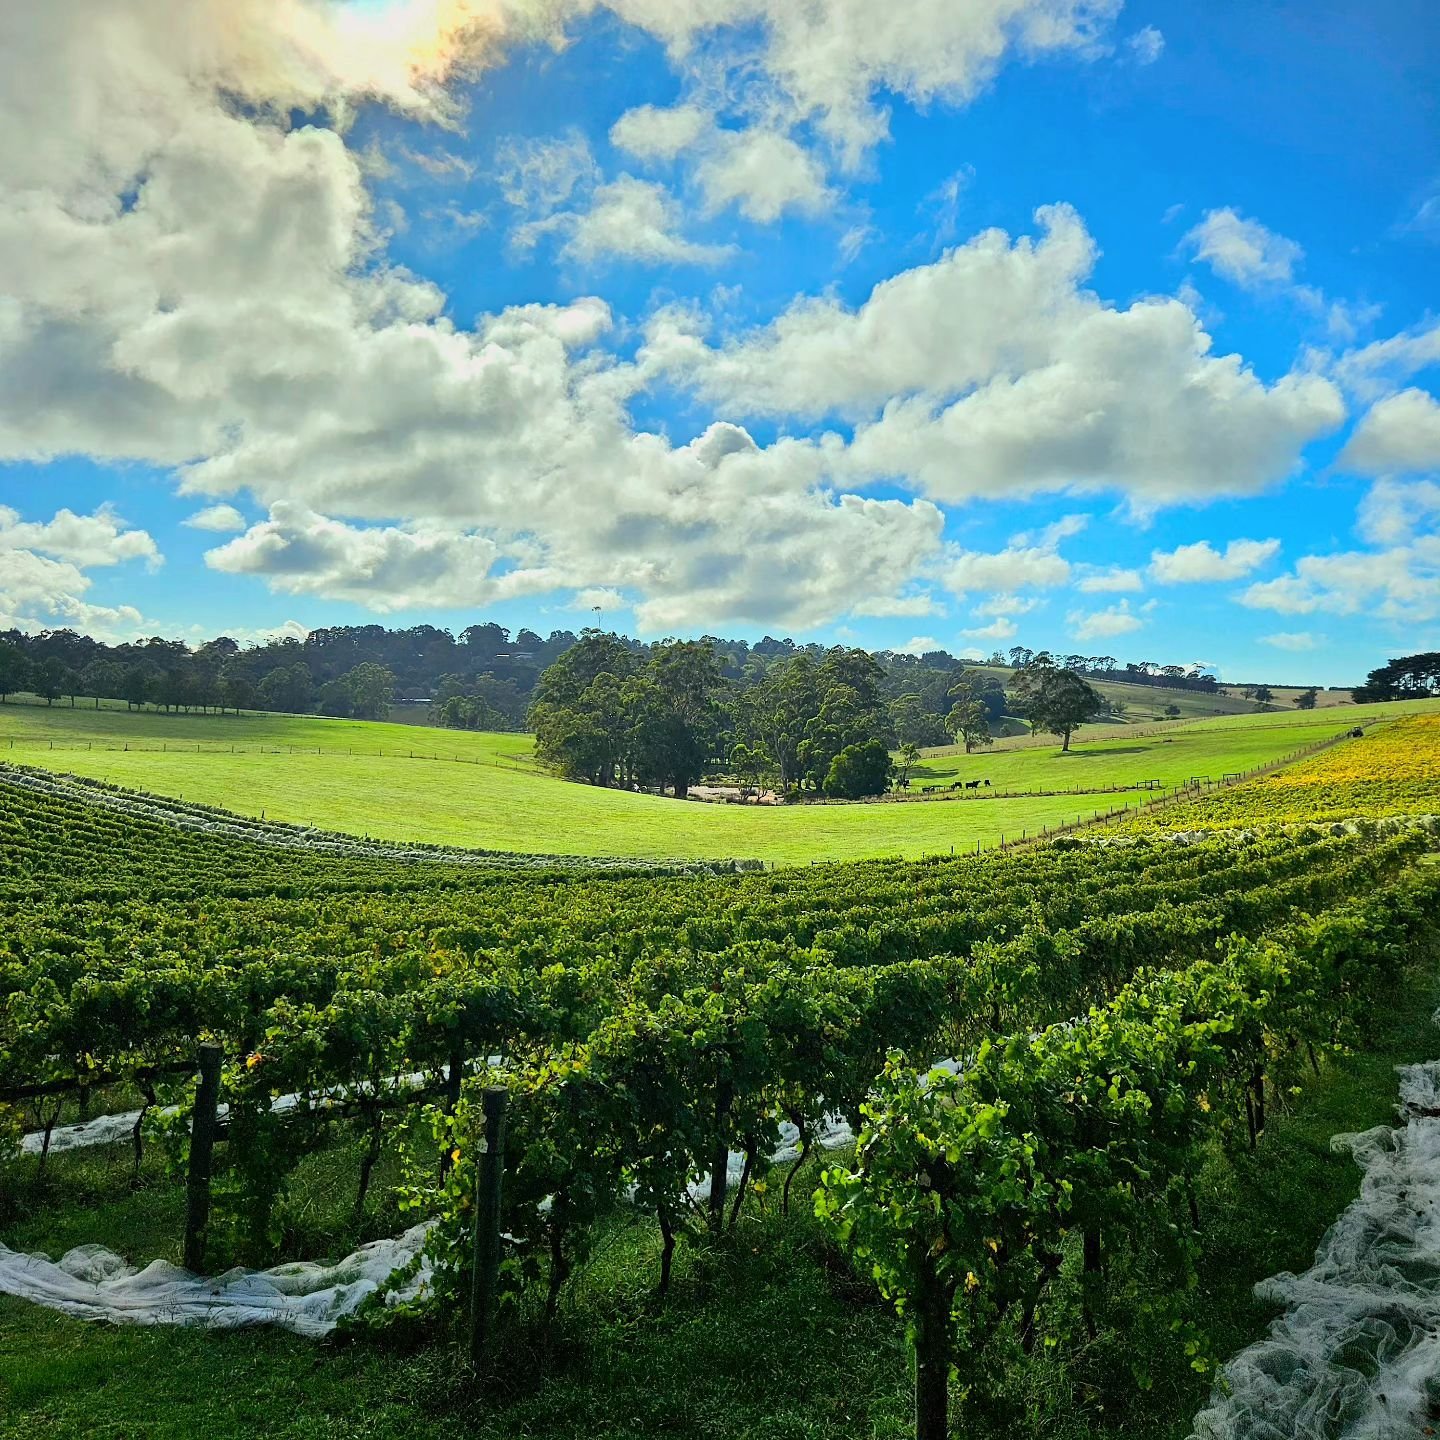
(202, 1146)
(486, 1270)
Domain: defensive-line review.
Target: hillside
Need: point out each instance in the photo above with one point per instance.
(408, 783)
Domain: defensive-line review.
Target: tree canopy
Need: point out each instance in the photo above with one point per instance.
(1411, 677)
(1055, 699)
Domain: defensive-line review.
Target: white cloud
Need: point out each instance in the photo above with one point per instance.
(1014, 568)
(1383, 365)
(889, 607)
(998, 629)
(1244, 251)
(1049, 536)
(1401, 583)
(89, 541)
(919, 645)
(635, 220)
(1115, 579)
(650, 132)
(1297, 641)
(826, 60)
(599, 597)
(764, 174)
(1193, 564)
(537, 177)
(1399, 435)
(1146, 46)
(1044, 388)
(1008, 605)
(1394, 510)
(44, 565)
(1103, 624)
(218, 518)
(385, 569)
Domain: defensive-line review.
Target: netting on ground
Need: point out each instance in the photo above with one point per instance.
(1356, 1355)
(94, 1283)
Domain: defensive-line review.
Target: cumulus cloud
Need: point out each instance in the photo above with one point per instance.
(1100, 582)
(1243, 250)
(1401, 583)
(1395, 510)
(1296, 641)
(653, 132)
(918, 645)
(44, 565)
(1044, 388)
(1375, 369)
(635, 220)
(1193, 564)
(764, 174)
(221, 519)
(1399, 435)
(1103, 624)
(1014, 568)
(1001, 628)
(196, 278)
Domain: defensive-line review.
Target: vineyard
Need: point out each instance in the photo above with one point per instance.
(996, 1081)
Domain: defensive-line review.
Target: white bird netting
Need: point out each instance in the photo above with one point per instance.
(94, 1283)
(1356, 1355)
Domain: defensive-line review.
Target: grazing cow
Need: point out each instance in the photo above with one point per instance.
(988, 785)
(956, 785)
(972, 784)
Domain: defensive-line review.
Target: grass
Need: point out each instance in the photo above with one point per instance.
(364, 782)
(770, 1337)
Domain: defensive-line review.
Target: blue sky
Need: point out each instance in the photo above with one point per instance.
(1053, 322)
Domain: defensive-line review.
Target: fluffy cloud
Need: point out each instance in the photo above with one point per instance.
(1243, 250)
(650, 132)
(1374, 369)
(220, 519)
(196, 279)
(198, 282)
(1031, 567)
(998, 629)
(1103, 624)
(1191, 564)
(1298, 642)
(1101, 582)
(1401, 583)
(44, 565)
(825, 61)
(763, 174)
(382, 568)
(1044, 388)
(1394, 510)
(1399, 435)
(89, 541)
(635, 220)
(918, 645)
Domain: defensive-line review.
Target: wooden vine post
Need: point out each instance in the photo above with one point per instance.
(202, 1148)
(933, 1345)
(485, 1277)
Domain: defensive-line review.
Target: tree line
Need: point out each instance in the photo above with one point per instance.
(340, 671)
(1411, 677)
(798, 723)
(485, 678)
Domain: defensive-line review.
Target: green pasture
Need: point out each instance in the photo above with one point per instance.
(1209, 749)
(485, 790)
